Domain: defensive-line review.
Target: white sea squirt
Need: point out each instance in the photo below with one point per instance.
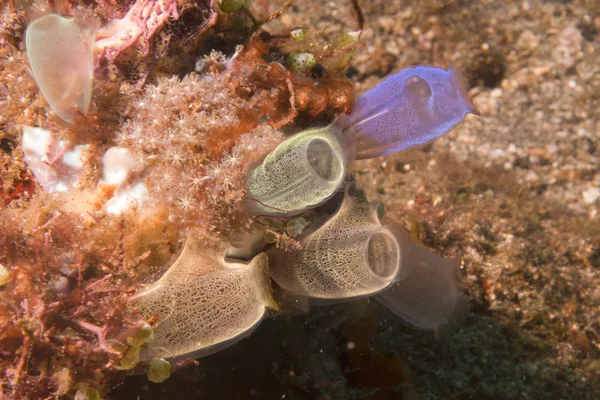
(204, 304)
(61, 54)
(118, 164)
(56, 165)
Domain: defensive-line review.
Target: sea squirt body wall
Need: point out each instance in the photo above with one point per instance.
(204, 304)
(409, 108)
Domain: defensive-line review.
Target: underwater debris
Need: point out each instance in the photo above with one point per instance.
(203, 304)
(60, 52)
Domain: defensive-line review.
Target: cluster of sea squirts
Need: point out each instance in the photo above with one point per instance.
(206, 300)
(205, 303)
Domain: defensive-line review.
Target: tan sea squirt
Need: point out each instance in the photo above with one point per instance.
(203, 303)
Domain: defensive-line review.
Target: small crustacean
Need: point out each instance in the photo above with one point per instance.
(409, 108)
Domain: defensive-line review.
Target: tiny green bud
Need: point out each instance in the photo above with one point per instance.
(130, 359)
(296, 226)
(300, 61)
(230, 6)
(86, 393)
(348, 39)
(298, 34)
(159, 371)
(145, 335)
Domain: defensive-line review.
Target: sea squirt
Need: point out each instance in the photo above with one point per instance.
(204, 304)
(354, 255)
(349, 256)
(60, 52)
(301, 173)
(409, 108)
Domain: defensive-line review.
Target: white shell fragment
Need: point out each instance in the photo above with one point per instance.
(60, 51)
(350, 256)
(301, 173)
(429, 296)
(117, 166)
(118, 163)
(204, 304)
(129, 197)
(55, 165)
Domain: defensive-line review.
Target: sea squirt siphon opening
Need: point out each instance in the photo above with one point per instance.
(383, 255)
(418, 87)
(323, 160)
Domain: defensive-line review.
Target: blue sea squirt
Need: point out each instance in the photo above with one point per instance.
(411, 107)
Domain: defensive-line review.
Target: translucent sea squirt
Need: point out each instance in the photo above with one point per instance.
(350, 256)
(60, 52)
(204, 304)
(409, 108)
(301, 173)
